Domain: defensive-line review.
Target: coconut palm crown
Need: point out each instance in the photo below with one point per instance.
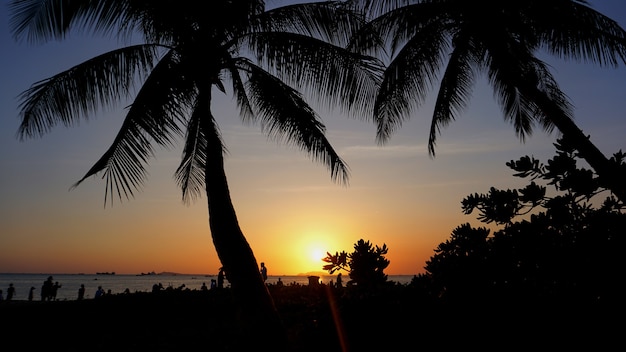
(451, 43)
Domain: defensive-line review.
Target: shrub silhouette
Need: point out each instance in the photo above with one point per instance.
(561, 244)
(365, 265)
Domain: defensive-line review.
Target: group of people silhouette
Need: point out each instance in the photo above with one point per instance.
(99, 292)
(219, 283)
(49, 289)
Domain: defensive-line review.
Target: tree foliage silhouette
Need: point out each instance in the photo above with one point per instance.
(365, 265)
(560, 244)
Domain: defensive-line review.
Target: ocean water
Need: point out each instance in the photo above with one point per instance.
(70, 283)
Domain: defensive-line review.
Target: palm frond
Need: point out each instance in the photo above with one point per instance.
(454, 91)
(239, 90)
(378, 8)
(329, 21)
(156, 114)
(506, 81)
(386, 32)
(329, 73)
(407, 80)
(286, 117)
(526, 91)
(581, 33)
(542, 96)
(83, 89)
(39, 21)
(190, 173)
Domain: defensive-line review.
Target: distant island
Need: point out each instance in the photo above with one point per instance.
(106, 273)
(163, 273)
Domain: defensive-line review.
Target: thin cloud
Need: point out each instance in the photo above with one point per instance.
(396, 151)
(303, 189)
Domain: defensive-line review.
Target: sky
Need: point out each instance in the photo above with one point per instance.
(289, 209)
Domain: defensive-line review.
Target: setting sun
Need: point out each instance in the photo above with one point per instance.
(312, 248)
(317, 254)
(313, 253)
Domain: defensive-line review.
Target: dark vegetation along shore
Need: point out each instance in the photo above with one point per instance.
(318, 318)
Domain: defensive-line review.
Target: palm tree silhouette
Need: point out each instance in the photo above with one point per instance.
(186, 54)
(452, 42)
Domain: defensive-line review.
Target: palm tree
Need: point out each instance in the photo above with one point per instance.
(186, 54)
(452, 42)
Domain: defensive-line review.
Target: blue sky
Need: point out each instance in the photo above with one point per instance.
(287, 205)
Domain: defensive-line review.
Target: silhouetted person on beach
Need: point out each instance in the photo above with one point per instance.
(31, 293)
(46, 289)
(99, 292)
(263, 271)
(10, 292)
(81, 292)
(53, 292)
(339, 283)
(213, 284)
(204, 288)
(220, 279)
(1, 296)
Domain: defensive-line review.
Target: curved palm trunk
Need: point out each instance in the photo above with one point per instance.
(609, 174)
(260, 321)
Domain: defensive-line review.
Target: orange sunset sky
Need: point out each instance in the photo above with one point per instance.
(288, 207)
